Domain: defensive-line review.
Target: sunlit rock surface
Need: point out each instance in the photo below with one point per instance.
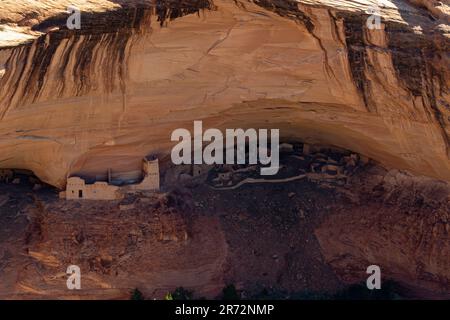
(83, 101)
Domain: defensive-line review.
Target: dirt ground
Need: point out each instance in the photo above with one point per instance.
(263, 239)
(269, 231)
(296, 239)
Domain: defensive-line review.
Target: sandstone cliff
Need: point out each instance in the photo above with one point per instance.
(102, 97)
(399, 223)
(80, 102)
(297, 238)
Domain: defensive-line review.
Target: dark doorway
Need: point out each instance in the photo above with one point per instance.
(80, 193)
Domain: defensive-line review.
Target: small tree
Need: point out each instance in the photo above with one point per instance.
(137, 295)
(230, 293)
(181, 294)
(168, 296)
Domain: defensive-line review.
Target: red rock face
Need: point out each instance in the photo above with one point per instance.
(87, 96)
(299, 238)
(148, 245)
(82, 102)
(403, 229)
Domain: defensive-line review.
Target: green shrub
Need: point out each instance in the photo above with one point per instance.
(181, 294)
(230, 293)
(137, 295)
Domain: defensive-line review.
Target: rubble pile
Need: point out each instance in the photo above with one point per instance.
(320, 164)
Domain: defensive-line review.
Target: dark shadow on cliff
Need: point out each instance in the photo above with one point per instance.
(416, 15)
(130, 15)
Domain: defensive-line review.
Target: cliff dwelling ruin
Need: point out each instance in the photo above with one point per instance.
(363, 114)
(6, 175)
(298, 160)
(77, 189)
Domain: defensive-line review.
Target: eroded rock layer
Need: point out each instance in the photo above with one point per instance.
(398, 222)
(97, 100)
(83, 101)
(302, 238)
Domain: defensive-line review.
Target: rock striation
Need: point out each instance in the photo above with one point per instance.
(400, 223)
(113, 91)
(99, 99)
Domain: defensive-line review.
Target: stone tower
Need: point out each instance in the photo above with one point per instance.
(150, 169)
